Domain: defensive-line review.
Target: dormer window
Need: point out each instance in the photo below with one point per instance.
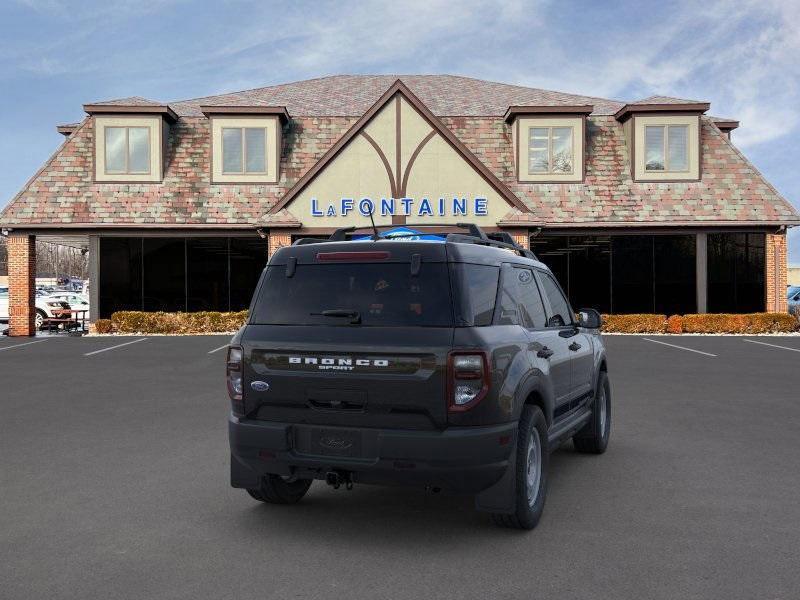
(244, 150)
(548, 142)
(245, 143)
(666, 148)
(550, 150)
(127, 150)
(130, 140)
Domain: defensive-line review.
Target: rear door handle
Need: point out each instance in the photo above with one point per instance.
(574, 346)
(545, 352)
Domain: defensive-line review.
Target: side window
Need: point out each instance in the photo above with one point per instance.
(476, 287)
(520, 300)
(561, 312)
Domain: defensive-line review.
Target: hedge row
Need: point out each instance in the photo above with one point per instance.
(222, 322)
(163, 322)
(708, 323)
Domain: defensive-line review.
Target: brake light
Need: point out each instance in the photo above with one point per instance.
(353, 256)
(233, 374)
(468, 379)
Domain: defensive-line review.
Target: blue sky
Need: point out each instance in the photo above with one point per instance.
(56, 55)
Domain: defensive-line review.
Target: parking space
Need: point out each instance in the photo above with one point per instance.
(114, 484)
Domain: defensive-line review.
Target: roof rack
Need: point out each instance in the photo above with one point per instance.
(474, 235)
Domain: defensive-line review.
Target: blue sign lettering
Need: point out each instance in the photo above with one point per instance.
(443, 206)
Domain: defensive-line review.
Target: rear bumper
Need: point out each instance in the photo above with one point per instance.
(463, 459)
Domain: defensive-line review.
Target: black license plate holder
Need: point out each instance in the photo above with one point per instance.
(337, 442)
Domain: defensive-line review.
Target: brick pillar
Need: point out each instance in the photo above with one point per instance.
(521, 238)
(278, 238)
(776, 271)
(21, 284)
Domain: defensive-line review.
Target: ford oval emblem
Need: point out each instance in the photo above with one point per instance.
(260, 386)
(335, 443)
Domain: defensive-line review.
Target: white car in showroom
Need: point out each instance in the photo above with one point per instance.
(47, 307)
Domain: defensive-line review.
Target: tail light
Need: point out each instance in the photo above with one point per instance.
(233, 372)
(468, 379)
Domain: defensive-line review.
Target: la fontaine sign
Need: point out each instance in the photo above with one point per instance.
(408, 207)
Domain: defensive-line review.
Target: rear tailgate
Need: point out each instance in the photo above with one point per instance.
(347, 376)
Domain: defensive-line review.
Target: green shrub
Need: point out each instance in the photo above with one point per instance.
(163, 322)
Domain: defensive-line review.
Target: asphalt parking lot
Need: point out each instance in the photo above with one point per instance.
(114, 484)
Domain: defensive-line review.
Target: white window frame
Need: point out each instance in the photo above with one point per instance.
(243, 129)
(127, 129)
(550, 170)
(665, 148)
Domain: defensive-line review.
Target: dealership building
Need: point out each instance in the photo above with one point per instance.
(640, 206)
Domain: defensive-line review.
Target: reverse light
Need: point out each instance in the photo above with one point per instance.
(468, 379)
(233, 372)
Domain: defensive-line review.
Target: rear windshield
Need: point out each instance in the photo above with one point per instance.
(383, 295)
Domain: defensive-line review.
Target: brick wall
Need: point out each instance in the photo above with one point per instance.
(278, 238)
(21, 284)
(521, 238)
(776, 273)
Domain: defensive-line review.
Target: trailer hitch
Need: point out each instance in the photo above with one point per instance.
(336, 479)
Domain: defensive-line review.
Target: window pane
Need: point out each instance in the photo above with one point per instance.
(589, 272)
(207, 274)
(384, 295)
(138, 149)
(477, 285)
(562, 149)
(115, 149)
(120, 265)
(654, 148)
(164, 274)
(560, 310)
(255, 139)
(248, 259)
(538, 150)
(231, 150)
(553, 251)
(632, 274)
(736, 272)
(674, 272)
(531, 307)
(678, 140)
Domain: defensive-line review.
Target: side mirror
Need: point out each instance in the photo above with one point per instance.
(589, 318)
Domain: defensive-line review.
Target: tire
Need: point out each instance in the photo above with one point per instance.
(593, 438)
(533, 458)
(39, 318)
(276, 490)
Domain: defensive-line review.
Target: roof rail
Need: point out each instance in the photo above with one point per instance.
(475, 235)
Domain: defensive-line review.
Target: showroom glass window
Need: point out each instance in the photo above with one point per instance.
(736, 272)
(244, 150)
(625, 273)
(550, 150)
(666, 148)
(179, 274)
(127, 150)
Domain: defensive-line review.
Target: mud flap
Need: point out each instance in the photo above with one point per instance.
(243, 476)
(502, 496)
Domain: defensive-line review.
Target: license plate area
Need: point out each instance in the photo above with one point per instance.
(330, 441)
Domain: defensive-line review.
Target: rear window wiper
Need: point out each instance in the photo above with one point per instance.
(345, 313)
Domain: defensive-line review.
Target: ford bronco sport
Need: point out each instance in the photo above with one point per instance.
(455, 365)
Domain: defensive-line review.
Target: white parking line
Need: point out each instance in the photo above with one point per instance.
(218, 349)
(771, 345)
(680, 347)
(114, 347)
(20, 345)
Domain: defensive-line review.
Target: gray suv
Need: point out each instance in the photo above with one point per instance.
(454, 365)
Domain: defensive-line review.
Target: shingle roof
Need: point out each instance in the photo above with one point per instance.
(63, 193)
(130, 101)
(665, 100)
(352, 95)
